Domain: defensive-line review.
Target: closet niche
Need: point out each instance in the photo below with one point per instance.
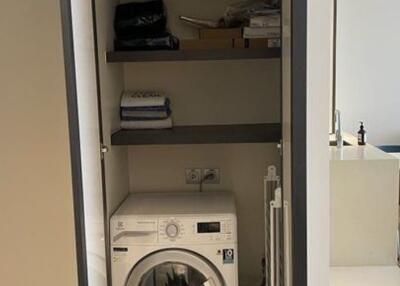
(238, 99)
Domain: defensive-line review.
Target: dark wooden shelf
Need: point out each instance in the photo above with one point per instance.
(210, 134)
(200, 55)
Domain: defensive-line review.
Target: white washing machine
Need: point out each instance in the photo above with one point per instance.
(175, 239)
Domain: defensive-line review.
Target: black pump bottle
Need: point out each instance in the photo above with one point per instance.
(362, 135)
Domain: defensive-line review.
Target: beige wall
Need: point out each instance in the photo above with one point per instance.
(246, 92)
(37, 243)
(242, 166)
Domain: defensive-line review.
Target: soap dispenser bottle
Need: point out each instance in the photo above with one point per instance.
(362, 135)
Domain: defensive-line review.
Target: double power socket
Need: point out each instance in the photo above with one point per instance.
(195, 176)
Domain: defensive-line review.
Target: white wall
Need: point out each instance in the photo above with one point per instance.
(319, 83)
(37, 241)
(368, 60)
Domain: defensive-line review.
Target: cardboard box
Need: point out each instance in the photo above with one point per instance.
(265, 43)
(240, 43)
(220, 33)
(257, 43)
(274, 43)
(273, 20)
(261, 33)
(209, 44)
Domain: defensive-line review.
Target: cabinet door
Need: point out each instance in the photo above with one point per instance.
(287, 139)
(80, 60)
(278, 191)
(294, 159)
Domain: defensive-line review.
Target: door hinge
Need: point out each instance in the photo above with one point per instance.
(280, 147)
(103, 149)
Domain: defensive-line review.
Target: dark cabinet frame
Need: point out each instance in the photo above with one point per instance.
(299, 142)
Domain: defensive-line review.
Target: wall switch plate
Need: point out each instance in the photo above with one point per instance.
(211, 176)
(193, 176)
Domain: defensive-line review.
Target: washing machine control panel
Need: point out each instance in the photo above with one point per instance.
(184, 229)
(172, 230)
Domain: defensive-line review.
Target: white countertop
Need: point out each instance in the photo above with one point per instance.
(356, 152)
(365, 276)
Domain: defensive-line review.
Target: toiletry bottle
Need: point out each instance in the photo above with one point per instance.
(362, 135)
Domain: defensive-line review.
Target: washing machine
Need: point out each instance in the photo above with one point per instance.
(175, 239)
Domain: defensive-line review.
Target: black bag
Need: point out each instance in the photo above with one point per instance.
(140, 20)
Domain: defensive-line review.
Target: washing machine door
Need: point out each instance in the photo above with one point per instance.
(174, 268)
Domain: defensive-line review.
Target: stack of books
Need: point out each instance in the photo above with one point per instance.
(145, 110)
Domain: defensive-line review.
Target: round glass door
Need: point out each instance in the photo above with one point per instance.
(173, 274)
(174, 268)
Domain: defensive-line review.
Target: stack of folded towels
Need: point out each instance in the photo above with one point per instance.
(145, 110)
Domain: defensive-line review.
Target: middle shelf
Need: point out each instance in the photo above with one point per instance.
(208, 134)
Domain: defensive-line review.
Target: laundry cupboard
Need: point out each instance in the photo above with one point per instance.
(237, 110)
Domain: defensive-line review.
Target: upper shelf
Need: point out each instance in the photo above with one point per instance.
(196, 55)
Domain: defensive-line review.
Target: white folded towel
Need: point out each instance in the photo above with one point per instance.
(147, 124)
(143, 99)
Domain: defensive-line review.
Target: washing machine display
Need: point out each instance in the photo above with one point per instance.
(208, 227)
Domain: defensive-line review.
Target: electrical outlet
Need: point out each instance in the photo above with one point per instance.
(193, 176)
(211, 176)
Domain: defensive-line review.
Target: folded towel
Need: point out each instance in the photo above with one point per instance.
(143, 99)
(147, 124)
(164, 107)
(129, 115)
